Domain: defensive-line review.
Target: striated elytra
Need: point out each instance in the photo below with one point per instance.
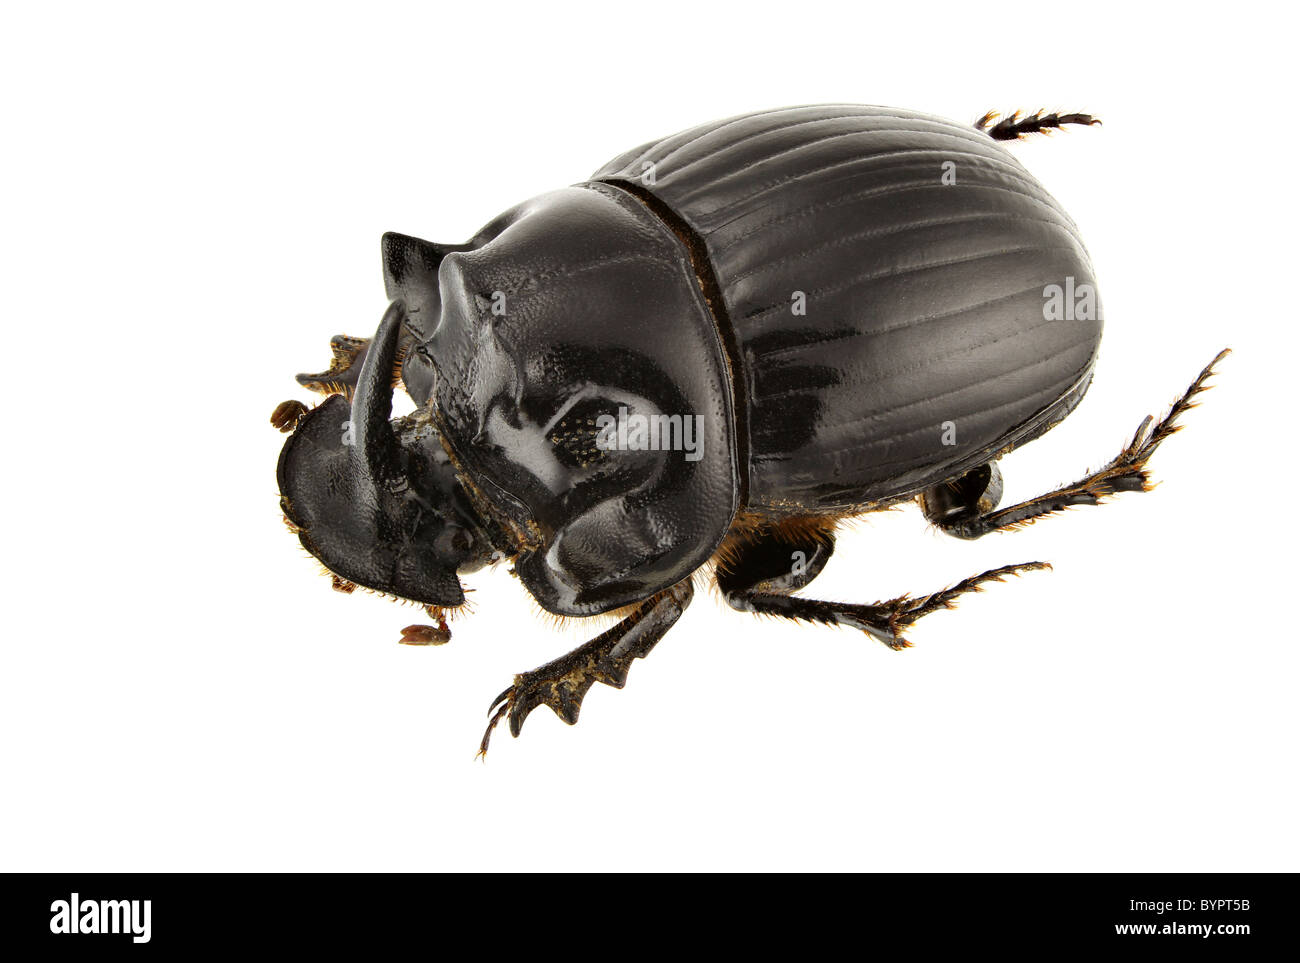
(706, 356)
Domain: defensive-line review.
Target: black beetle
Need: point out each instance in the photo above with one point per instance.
(710, 353)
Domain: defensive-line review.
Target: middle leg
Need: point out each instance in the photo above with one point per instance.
(758, 570)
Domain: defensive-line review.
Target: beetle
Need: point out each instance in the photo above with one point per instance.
(705, 358)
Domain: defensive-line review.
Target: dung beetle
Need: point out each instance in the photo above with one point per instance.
(706, 357)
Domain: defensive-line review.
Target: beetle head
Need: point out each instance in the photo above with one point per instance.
(378, 502)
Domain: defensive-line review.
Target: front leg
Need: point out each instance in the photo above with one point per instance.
(348, 355)
(340, 378)
(563, 683)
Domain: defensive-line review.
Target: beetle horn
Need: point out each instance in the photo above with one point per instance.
(374, 446)
(377, 509)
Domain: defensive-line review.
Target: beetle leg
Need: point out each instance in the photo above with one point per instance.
(562, 683)
(345, 364)
(1016, 126)
(977, 492)
(750, 582)
(1127, 472)
(340, 378)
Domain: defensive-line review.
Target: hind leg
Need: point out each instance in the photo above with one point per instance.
(759, 570)
(965, 510)
(1016, 126)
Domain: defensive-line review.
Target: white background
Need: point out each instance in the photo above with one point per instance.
(192, 206)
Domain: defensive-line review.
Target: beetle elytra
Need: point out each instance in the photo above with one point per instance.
(708, 355)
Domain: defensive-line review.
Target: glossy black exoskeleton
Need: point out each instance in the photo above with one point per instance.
(710, 353)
